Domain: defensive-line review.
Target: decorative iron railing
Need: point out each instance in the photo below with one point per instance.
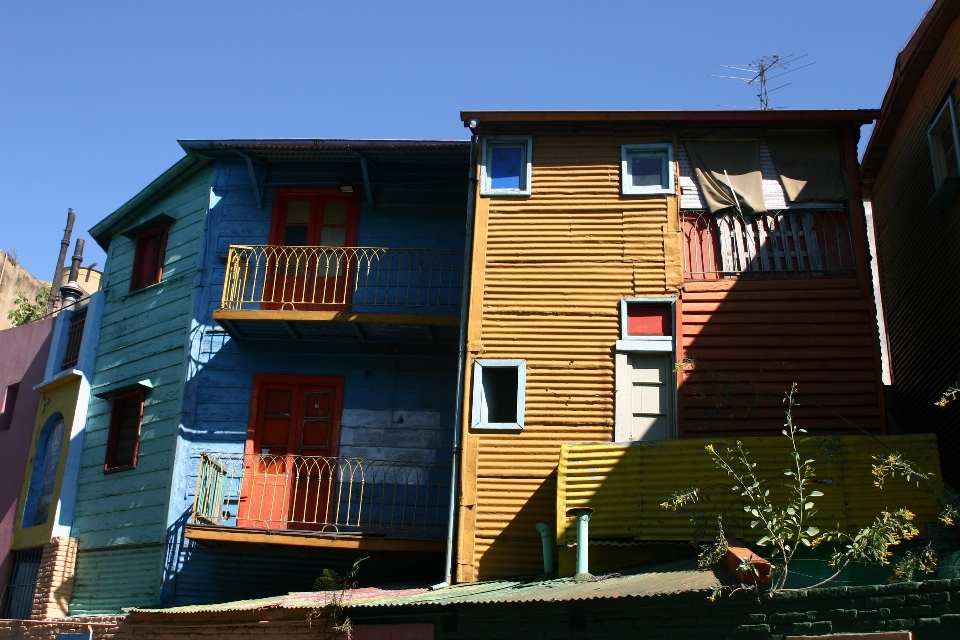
(775, 244)
(342, 495)
(318, 278)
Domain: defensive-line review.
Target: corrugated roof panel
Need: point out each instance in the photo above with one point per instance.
(626, 483)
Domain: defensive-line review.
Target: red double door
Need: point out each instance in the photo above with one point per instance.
(303, 277)
(290, 470)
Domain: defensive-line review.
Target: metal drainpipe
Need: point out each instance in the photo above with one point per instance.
(546, 539)
(583, 540)
(461, 362)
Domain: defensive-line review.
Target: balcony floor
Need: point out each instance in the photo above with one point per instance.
(234, 536)
(340, 326)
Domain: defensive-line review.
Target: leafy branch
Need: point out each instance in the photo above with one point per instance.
(25, 311)
(786, 528)
(334, 611)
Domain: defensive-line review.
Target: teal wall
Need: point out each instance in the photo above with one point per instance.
(121, 517)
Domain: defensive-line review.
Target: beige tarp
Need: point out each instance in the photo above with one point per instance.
(723, 159)
(810, 164)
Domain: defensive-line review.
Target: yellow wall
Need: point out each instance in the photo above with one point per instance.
(549, 271)
(63, 399)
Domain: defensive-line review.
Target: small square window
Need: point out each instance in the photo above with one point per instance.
(124, 439)
(646, 169)
(498, 394)
(506, 169)
(148, 258)
(944, 144)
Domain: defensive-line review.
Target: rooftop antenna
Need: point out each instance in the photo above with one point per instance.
(760, 71)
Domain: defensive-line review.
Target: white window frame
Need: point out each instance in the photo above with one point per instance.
(525, 143)
(936, 149)
(478, 397)
(627, 345)
(626, 177)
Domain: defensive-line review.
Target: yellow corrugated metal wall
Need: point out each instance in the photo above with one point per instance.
(625, 484)
(548, 274)
(920, 263)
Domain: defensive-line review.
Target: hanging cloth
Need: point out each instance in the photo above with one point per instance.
(727, 161)
(810, 164)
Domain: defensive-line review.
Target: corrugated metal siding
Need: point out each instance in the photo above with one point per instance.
(920, 266)
(557, 264)
(110, 579)
(764, 335)
(626, 484)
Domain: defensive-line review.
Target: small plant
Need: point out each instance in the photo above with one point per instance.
(949, 395)
(25, 311)
(786, 527)
(334, 611)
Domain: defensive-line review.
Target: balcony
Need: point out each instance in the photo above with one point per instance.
(360, 294)
(779, 244)
(346, 503)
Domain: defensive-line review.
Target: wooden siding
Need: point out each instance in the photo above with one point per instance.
(757, 337)
(920, 265)
(548, 274)
(144, 335)
(398, 401)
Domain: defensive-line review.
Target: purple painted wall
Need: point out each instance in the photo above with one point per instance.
(23, 358)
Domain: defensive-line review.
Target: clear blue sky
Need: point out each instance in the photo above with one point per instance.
(94, 95)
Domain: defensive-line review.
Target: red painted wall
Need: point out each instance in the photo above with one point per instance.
(23, 358)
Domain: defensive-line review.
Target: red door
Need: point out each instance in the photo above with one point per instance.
(301, 276)
(292, 446)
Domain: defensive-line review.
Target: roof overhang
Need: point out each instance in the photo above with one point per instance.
(910, 66)
(777, 117)
(334, 150)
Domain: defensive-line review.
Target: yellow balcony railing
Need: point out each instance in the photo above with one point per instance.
(324, 278)
(315, 493)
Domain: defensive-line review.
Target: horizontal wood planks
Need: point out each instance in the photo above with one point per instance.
(920, 264)
(752, 339)
(548, 274)
(144, 335)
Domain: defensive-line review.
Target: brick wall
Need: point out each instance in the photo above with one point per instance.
(55, 579)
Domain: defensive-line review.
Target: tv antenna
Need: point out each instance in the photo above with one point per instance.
(760, 71)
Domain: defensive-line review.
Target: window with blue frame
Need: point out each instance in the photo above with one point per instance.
(646, 169)
(506, 167)
(43, 476)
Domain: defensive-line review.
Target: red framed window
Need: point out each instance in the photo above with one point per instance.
(124, 439)
(148, 258)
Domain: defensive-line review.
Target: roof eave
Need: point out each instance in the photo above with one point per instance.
(102, 232)
(792, 116)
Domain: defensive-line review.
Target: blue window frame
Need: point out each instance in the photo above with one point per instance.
(646, 169)
(506, 169)
(499, 394)
(43, 476)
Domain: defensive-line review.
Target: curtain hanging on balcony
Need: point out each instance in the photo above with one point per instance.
(810, 164)
(723, 159)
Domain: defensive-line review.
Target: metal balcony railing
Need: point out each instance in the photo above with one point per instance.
(314, 493)
(319, 278)
(775, 244)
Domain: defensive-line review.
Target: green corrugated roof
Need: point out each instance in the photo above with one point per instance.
(662, 579)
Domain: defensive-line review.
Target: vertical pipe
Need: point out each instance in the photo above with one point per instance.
(57, 275)
(71, 291)
(546, 539)
(583, 540)
(461, 358)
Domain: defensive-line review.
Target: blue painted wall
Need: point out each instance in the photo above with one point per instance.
(120, 518)
(398, 400)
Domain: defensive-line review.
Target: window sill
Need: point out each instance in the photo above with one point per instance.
(943, 197)
(497, 426)
(504, 193)
(108, 470)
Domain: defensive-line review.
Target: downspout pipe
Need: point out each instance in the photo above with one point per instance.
(462, 356)
(583, 541)
(546, 539)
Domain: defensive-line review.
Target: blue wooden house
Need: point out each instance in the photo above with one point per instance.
(276, 386)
